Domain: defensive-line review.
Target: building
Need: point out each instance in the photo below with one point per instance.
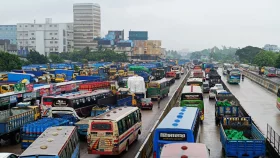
(8, 32)
(6, 46)
(138, 35)
(270, 47)
(111, 39)
(118, 35)
(45, 38)
(87, 25)
(147, 47)
(124, 47)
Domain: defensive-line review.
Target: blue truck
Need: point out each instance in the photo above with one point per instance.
(36, 73)
(241, 138)
(11, 122)
(17, 77)
(226, 105)
(68, 73)
(90, 78)
(31, 131)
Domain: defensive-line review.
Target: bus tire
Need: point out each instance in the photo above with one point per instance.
(137, 135)
(16, 138)
(126, 147)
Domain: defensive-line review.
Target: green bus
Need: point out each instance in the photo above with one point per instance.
(159, 88)
(192, 96)
(195, 82)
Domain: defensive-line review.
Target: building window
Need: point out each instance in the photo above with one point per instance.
(50, 25)
(19, 25)
(40, 25)
(55, 42)
(20, 42)
(50, 33)
(51, 41)
(32, 41)
(55, 33)
(26, 34)
(20, 34)
(55, 25)
(25, 25)
(56, 49)
(32, 33)
(32, 25)
(51, 49)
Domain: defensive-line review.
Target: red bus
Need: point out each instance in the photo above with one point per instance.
(81, 103)
(185, 150)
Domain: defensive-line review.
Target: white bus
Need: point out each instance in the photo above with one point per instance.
(112, 132)
(55, 142)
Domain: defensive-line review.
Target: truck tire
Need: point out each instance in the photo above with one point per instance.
(15, 137)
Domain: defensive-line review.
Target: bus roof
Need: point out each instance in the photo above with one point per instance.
(95, 92)
(192, 89)
(177, 150)
(116, 114)
(53, 143)
(195, 80)
(186, 122)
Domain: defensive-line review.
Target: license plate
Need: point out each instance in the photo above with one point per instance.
(101, 134)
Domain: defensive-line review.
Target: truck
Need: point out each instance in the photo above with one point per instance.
(226, 105)
(68, 74)
(6, 87)
(240, 137)
(158, 74)
(36, 73)
(12, 120)
(31, 131)
(170, 76)
(94, 86)
(90, 78)
(214, 78)
(18, 77)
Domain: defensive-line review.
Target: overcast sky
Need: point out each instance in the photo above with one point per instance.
(180, 24)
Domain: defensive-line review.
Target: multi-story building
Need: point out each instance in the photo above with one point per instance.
(87, 25)
(6, 46)
(8, 32)
(45, 38)
(138, 35)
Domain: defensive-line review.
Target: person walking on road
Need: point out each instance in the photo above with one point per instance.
(242, 76)
(158, 101)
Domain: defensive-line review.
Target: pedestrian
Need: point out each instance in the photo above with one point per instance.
(158, 101)
(242, 77)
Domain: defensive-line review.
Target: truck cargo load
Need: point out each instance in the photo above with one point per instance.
(241, 138)
(136, 84)
(18, 77)
(94, 86)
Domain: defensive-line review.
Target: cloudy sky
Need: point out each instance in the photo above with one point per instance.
(180, 24)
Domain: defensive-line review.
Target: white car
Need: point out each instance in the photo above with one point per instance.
(8, 155)
(219, 86)
(212, 92)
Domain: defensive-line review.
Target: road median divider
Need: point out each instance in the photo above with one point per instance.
(147, 147)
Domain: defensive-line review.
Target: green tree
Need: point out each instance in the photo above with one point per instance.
(9, 62)
(265, 58)
(36, 58)
(247, 54)
(277, 62)
(56, 58)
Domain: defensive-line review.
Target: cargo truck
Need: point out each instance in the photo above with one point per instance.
(18, 77)
(226, 106)
(241, 138)
(11, 122)
(214, 78)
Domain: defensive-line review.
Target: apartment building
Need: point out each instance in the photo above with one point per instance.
(46, 37)
(87, 25)
(8, 32)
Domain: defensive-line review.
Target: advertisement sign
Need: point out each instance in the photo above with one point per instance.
(27, 96)
(29, 87)
(4, 101)
(19, 88)
(13, 99)
(173, 136)
(44, 92)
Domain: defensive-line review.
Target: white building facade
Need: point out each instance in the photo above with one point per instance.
(87, 25)
(45, 38)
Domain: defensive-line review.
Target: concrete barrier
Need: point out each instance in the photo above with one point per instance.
(264, 82)
(146, 149)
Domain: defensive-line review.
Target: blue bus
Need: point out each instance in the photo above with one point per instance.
(180, 125)
(55, 142)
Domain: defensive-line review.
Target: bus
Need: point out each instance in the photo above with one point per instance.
(195, 82)
(81, 103)
(158, 89)
(55, 142)
(192, 96)
(226, 67)
(180, 125)
(112, 132)
(278, 99)
(270, 71)
(234, 76)
(185, 150)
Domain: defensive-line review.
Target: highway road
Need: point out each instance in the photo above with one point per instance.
(259, 103)
(148, 120)
(273, 79)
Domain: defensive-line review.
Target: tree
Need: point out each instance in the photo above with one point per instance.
(265, 58)
(277, 62)
(247, 54)
(36, 58)
(9, 62)
(56, 58)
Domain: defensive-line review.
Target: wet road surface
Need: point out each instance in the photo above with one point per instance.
(148, 120)
(259, 103)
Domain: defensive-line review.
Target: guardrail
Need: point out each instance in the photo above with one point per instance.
(273, 142)
(147, 147)
(266, 83)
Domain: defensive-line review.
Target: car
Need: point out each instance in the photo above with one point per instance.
(206, 87)
(8, 155)
(146, 103)
(212, 92)
(217, 92)
(219, 86)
